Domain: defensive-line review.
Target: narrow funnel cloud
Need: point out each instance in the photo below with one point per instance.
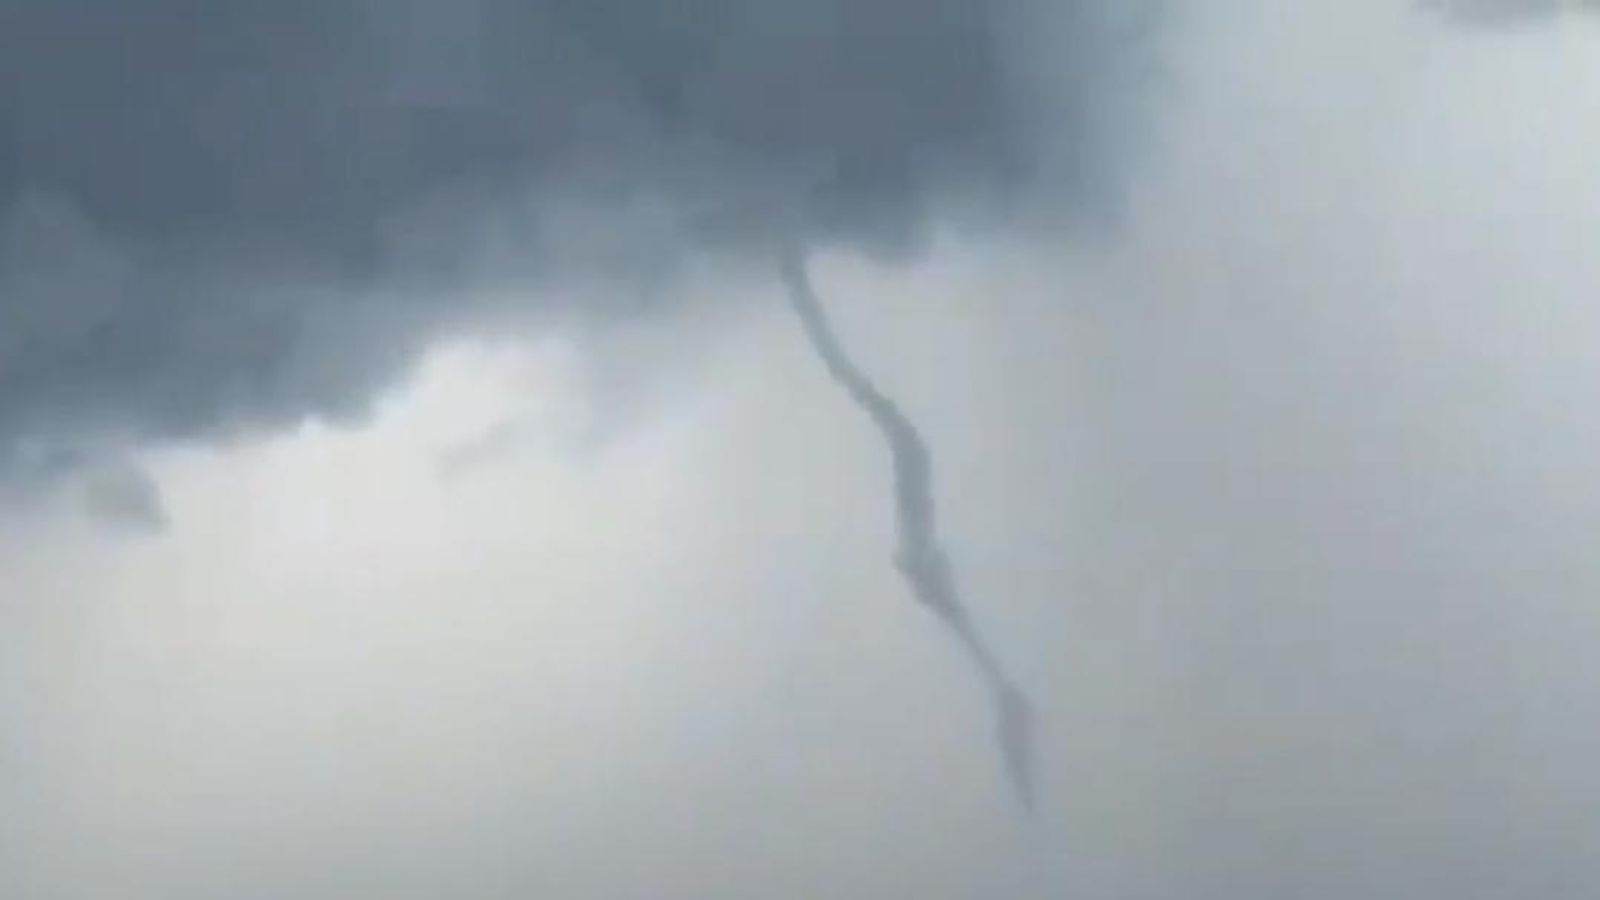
(920, 558)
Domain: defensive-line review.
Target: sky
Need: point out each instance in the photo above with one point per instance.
(353, 546)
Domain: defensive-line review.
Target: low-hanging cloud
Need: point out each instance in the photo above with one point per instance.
(921, 556)
(218, 218)
(125, 497)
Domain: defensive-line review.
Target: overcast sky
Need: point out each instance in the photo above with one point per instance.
(1274, 482)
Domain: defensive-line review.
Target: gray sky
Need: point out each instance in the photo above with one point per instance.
(1278, 491)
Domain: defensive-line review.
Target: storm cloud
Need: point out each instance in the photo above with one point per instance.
(1281, 500)
(222, 217)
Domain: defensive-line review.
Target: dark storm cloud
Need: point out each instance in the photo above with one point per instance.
(231, 214)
